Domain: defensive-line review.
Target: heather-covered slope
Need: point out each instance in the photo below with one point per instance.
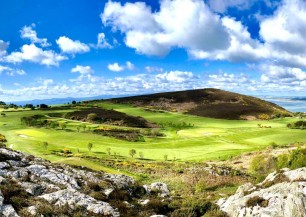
(210, 102)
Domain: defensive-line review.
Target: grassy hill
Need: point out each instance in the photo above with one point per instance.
(213, 103)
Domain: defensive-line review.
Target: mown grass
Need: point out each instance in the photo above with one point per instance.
(208, 139)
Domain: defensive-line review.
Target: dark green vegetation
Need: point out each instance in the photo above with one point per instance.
(211, 103)
(297, 125)
(262, 165)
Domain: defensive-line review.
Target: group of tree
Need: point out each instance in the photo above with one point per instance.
(297, 125)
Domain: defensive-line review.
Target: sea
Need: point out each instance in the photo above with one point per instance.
(293, 104)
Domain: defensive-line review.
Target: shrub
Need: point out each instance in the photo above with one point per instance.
(132, 152)
(261, 165)
(254, 201)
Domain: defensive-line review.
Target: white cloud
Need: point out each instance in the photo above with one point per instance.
(72, 47)
(16, 72)
(27, 32)
(34, 54)
(3, 46)
(102, 42)
(129, 65)
(176, 76)
(151, 69)
(222, 5)
(115, 67)
(281, 74)
(193, 26)
(5, 69)
(187, 24)
(84, 70)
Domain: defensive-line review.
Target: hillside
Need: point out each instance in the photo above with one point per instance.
(213, 103)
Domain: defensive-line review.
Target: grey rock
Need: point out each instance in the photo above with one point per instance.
(9, 154)
(32, 188)
(4, 165)
(53, 176)
(287, 198)
(8, 211)
(159, 186)
(74, 198)
(1, 199)
(32, 210)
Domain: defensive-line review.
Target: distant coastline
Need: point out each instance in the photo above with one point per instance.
(293, 104)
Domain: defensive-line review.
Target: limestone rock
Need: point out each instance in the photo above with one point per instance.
(8, 211)
(286, 198)
(74, 198)
(161, 187)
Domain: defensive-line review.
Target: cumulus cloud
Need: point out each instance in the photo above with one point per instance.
(129, 65)
(102, 41)
(32, 53)
(116, 67)
(84, 70)
(193, 26)
(186, 24)
(176, 76)
(281, 74)
(27, 32)
(72, 47)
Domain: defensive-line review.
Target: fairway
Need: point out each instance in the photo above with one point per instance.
(207, 139)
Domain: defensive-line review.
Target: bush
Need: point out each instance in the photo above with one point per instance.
(254, 201)
(261, 165)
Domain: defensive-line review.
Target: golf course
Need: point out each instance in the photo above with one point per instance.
(187, 138)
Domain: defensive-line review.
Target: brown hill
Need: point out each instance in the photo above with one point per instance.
(209, 102)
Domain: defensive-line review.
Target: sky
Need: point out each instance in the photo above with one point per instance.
(80, 48)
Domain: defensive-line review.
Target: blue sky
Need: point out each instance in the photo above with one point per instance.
(79, 48)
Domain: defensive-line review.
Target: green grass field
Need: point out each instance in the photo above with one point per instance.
(209, 139)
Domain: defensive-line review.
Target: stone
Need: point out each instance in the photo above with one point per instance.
(32, 210)
(74, 198)
(158, 186)
(287, 198)
(8, 211)
(32, 188)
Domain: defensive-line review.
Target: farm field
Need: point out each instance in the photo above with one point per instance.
(207, 139)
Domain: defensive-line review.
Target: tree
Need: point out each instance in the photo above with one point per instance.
(132, 152)
(141, 155)
(43, 106)
(73, 102)
(165, 157)
(45, 145)
(84, 127)
(78, 128)
(108, 151)
(89, 146)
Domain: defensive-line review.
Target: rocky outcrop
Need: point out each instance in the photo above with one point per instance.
(282, 193)
(31, 186)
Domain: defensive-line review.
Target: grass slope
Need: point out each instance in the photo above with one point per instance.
(210, 102)
(209, 139)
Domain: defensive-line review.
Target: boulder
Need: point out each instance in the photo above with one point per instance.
(8, 211)
(74, 198)
(160, 187)
(280, 194)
